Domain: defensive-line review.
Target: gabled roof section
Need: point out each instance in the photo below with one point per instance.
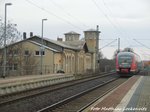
(33, 42)
(43, 46)
(92, 30)
(77, 44)
(72, 32)
(74, 45)
(14, 43)
(61, 44)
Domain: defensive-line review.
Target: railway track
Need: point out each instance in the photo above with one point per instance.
(31, 101)
(80, 101)
(19, 95)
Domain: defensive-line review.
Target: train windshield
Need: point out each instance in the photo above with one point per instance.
(125, 59)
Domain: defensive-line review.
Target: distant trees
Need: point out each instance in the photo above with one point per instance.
(105, 65)
(128, 50)
(100, 55)
(115, 54)
(146, 64)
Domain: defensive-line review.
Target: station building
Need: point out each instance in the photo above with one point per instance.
(73, 55)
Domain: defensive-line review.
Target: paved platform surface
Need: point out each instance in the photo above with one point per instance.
(27, 77)
(131, 96)
(11, 85)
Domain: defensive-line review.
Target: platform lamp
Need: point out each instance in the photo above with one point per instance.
(4, 73)
(42, 46)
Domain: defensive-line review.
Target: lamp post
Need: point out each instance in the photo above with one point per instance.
(118, 45)
(42, 46)
(97, 48)
(4, 73)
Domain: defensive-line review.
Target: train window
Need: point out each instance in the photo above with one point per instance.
(125, 59)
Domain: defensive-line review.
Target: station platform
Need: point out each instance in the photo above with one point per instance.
(10, 85)
(131, 96)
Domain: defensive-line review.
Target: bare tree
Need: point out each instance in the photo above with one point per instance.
(100, 54)
(19, 60)
(12, 34)
(115, 54)
(29, 63)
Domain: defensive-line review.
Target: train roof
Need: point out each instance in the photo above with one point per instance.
(127, 53)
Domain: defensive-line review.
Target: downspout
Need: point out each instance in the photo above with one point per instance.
(53, 62)
(76, 61)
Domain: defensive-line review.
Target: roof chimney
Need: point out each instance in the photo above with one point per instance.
(59, 39)
(31, 34)
(24, 35)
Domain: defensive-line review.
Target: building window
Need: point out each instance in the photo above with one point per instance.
(43, 52)
(10, 67)
(13, 66)
(38, 53)
(16, 52)
(13, 52)
(26, 52)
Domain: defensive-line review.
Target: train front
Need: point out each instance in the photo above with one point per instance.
(124, 62)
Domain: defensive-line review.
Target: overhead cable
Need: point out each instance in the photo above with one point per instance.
(108, 44)
(142, 44)
(53, 14)
(69, 14)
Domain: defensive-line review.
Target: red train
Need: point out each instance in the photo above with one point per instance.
(128, 63)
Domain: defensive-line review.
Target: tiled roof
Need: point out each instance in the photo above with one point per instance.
(92, 30)
(75, 45)
(72, 32)
(43, 46)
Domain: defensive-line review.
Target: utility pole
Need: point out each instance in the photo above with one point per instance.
(42, 48)
(118, 44)
(97, 47)
(5, 51)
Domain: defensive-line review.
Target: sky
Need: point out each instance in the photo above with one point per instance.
(128, 20)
